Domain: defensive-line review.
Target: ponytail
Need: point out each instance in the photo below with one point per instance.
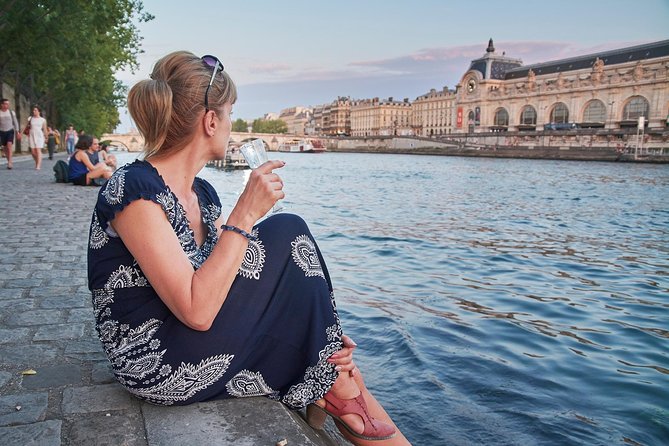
(167, 107)
(150, 105)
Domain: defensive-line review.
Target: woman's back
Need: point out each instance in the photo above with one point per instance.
(76, 168)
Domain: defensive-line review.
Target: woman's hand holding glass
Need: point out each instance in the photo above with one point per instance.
(255, 154)
(263, 189)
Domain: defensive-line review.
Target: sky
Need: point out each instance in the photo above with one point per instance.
(285, 53)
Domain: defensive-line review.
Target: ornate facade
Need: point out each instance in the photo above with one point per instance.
(611, 90)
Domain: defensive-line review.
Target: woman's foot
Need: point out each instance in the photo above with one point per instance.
(350, 414)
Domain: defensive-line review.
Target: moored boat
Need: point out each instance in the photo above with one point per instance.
(302, 146)
(233, 159)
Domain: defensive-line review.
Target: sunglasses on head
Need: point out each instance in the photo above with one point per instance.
(211, 61)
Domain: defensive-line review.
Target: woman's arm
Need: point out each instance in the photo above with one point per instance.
(195, 297)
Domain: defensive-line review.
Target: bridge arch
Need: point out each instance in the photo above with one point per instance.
(114, 142)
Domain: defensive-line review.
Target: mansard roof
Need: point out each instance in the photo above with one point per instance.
(492, 65)
(630, 54)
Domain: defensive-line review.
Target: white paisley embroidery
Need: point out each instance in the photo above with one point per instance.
(114, 189)
(98, 237)
(306, 257)
(254, 259)
(126, 277)
(186, 381)
(247, 383)
(142, 366)
(317, 379)
(102, 298)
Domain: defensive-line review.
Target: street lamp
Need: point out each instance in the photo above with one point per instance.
(611, 113)
(543, 131)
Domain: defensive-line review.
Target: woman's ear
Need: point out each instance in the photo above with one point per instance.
(210, 123)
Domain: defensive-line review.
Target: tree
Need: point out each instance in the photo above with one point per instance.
(62, 55)
(269, 126)
(239, 126)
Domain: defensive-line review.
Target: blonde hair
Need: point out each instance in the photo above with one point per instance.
(167, 107)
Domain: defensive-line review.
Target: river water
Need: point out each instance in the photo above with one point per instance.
(506, 302)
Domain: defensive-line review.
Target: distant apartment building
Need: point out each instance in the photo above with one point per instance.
(336, 117)
(433, 113)
(611, 90)
(296, 119)
(381, 117)
(316, 123)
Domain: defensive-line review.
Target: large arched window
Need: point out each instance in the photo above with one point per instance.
(560, 114)
(502, 117)
(528, 116)
(637, 106)
(594, 111)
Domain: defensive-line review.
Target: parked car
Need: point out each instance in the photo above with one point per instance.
(560, 126)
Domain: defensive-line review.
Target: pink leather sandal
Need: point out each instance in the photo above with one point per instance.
(336, 408)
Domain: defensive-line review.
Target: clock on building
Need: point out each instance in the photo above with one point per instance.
(471, 85)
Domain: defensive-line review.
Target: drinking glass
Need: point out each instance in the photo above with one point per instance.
(255, 154)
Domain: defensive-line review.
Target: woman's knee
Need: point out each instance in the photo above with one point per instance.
(286, 224)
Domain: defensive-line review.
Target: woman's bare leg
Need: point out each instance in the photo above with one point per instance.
(9, 148)
(347, 387)
(37, 156)
(100, 171)
(377, 411)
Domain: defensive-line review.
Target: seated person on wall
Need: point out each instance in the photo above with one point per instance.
(82, 171)
(108, 159)
(195, 305)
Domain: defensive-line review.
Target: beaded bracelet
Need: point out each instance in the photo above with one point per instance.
(239, 231)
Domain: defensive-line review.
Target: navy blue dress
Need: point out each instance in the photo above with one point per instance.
(272, 337)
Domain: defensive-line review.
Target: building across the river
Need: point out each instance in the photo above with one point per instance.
(608, 90)
(611, 90)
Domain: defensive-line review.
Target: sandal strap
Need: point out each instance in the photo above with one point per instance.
(358, 406)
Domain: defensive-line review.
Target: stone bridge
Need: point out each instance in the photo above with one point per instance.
(133, 141)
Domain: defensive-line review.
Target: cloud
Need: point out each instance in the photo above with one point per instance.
(457, 58)
(270, 68)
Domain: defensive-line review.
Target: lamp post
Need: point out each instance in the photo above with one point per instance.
(611, 114)
(543, 131)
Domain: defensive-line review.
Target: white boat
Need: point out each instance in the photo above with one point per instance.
(302, 146)
(234, 159)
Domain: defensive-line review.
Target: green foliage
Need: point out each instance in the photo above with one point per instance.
(269, 126)
(239, 126)
(62, 55)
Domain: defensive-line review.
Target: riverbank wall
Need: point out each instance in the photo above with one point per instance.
(562, 147)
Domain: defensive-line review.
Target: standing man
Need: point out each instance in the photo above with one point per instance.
(9, 127)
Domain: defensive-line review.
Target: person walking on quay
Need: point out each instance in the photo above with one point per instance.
(191, 305)
(9, 128)
(37, 136)
(51, 141)
(81, 171)
(70, 139)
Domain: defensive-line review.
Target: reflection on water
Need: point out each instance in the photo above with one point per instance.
(497, 301)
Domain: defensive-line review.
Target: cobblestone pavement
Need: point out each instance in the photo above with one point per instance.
(46, 325)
